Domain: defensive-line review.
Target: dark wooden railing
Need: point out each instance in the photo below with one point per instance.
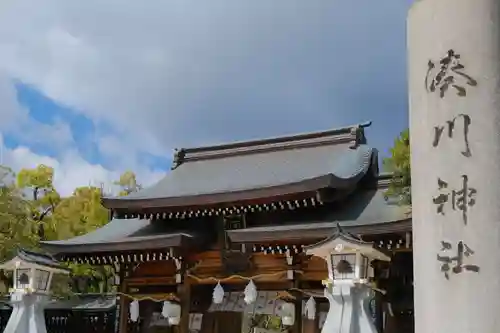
(73, 321)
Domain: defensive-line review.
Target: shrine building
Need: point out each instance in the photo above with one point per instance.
(231, 223)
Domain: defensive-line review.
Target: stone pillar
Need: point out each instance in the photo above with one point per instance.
(454, 82)
(27, 314)
(349, 309)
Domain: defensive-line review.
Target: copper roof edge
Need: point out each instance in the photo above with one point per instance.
(352, 133)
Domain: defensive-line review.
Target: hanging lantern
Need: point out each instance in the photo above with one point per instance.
(218, 294)
(134, 311)
(288, 314)
(171, 311)
(311, 308)
(250, 293)
(165, 310)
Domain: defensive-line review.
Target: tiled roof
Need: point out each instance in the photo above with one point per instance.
(242, 171)
(364, 212)
(121, 234)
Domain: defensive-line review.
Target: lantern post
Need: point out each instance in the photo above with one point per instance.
(33, 274)
(347, 287)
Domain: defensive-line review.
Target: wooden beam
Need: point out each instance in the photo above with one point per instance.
(156, 280)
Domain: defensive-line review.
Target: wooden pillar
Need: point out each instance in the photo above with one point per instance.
(311, 325)
(208, 323)
(124, 302)
(184, 291)
(297, 327)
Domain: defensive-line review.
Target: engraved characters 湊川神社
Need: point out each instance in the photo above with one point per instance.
(445, 73)
(455, 264)
(450, 72)
(461, 199)
(450, 127)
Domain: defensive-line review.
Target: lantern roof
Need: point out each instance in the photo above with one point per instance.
(342, 242)
(25, 258)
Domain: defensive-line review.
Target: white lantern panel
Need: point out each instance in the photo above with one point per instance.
(364, 267)
(23, 278)
(343, 266)
(41, 279)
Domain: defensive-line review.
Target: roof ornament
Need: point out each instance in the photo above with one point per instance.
(179, 155)
(340, 232)
(358, 134)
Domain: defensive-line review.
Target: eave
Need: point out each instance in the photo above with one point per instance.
(125, 241)
(313, 231)
(240, 177)
(286, 192)
(130, 244)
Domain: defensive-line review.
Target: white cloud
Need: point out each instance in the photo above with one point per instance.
(173, 73)
(181, 72)
(71, 170)
(15, 121)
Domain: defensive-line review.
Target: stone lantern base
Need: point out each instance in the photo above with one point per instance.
(349, 309)
(27, 314)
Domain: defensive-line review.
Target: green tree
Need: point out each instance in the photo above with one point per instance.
(399, 165)
(37, 184)
(76, 215)
(31, 210)
(15, 223)
(128, 183)
(16, 226)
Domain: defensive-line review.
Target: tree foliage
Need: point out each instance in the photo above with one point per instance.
(31, 210)
(78, 214)
(399, 165)
(16, 226)
(37, 185)
(128, 183)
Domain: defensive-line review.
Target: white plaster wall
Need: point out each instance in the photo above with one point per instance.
(468, 302)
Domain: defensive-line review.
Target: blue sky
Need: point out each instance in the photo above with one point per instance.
(117, 86)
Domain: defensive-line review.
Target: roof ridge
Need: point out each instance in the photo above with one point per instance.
(349, 134)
